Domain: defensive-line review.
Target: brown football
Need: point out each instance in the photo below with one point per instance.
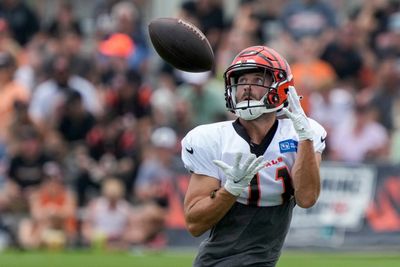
(181, 44)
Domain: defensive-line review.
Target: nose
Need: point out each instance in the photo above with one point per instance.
(247, 88)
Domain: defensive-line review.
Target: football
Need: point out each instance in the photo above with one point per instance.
(181, 44)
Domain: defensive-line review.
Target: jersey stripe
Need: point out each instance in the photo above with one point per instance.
(254, 191)
(259, 150)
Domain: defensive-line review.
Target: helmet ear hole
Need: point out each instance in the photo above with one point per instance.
(272, 98)
(282, 75)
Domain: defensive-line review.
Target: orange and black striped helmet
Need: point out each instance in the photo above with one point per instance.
(258, 59)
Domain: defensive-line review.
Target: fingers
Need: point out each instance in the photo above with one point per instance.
(221, 164)
(248, 162)
(260, 165)
(238, 158)
(287, 113)
(292, 90)
(251, 166)
(255, 164)
(294, 100)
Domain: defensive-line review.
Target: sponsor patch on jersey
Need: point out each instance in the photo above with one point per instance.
(289, 145)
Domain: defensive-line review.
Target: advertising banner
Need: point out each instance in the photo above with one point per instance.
(345, 195)
(359, 208)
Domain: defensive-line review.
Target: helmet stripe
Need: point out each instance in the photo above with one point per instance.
(277, 58)
(266, 59)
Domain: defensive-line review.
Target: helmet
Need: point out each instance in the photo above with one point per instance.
(258, 59)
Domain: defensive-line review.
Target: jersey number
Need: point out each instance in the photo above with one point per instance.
(281, 174)
(284, 175)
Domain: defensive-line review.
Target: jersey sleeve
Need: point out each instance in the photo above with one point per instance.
(199, 149)
(319, 136)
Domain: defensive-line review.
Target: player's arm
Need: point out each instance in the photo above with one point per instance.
(305, 174)
(205, 203)
(305, 171)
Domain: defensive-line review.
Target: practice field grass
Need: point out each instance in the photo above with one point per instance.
(184, 259)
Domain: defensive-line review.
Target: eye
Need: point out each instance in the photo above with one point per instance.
(242, 80)
(259, 81)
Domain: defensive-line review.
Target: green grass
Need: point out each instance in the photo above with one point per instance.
(181, 259)
(339, 259)
(94, 259)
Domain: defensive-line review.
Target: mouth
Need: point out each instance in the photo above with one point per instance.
(247, 98)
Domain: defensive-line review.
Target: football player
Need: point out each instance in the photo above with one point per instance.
(248, 174)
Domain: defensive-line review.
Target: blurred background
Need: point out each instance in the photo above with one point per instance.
(91, 118)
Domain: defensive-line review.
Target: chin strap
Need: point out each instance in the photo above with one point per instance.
(251, 110)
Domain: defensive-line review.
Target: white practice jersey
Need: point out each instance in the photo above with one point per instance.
(223, 140)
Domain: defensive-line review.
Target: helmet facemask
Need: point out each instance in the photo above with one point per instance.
(258, 59)
(251, 109)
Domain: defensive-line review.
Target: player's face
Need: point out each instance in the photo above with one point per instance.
(253, 86)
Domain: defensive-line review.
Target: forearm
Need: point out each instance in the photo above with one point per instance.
(207, 211)
(306, 177)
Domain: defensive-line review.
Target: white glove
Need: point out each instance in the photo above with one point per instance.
(239, 177)
(298, 117)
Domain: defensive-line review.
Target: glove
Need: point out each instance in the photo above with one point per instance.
(298, 117)
(239, 177)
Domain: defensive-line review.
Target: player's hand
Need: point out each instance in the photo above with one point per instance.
(298, 117)
(239, 176)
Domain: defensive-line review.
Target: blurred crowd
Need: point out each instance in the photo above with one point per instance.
(91, 121)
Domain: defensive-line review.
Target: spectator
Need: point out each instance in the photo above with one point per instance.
(11, 92)
(159, 168)
(63, 22)
(269, 14)
(129, 96)
(81, 169)
(310, 72)
(157, 179)
(361, 139)
(112, 57)
(331, 107)
(75, 122)
(20, 123)
(7, 42)
(107, 219)
(163, 100)
(201, 92)
(23, 21)
(25, 172)
(302, 18)
(243, 31)
(49, 97)
(126, 19)
(385, 93)
(52, 209)
(344, 56)
(208, 15)
(111, 148)
(377, 22)
(31, 70)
